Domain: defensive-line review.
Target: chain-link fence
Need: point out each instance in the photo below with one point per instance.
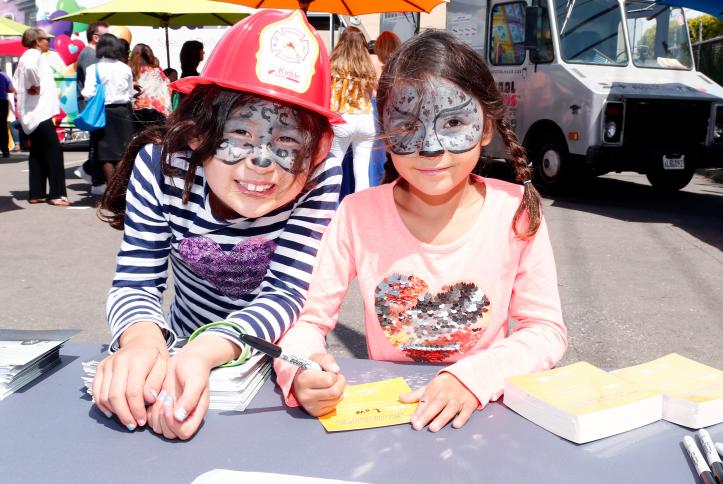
(709, 58)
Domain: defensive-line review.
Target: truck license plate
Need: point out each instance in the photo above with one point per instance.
(674, 162)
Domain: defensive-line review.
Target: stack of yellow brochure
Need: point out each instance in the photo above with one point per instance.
(581, 402)
(692, 392)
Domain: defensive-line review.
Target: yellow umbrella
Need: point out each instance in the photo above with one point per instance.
(11, 28)
(344, 7)
(161, 13)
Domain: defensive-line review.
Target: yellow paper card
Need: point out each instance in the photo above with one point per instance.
(370, 405)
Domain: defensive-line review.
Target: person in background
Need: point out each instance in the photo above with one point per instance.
(386, 44)
(6, 87)
(171, 74)
(384, 47)
(152, 104)
(444, 258)
(91, 170)
(191, 56)
(126, 49)
(37, 104)
(117, 77)
(353, 80)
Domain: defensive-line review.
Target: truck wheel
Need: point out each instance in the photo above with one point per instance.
(549, 159)
(669, 180)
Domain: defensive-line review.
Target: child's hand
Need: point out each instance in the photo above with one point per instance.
(130, 377)
(183, 401)
(319, 392)
(441, 400)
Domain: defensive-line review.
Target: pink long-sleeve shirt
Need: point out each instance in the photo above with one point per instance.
(447, 304)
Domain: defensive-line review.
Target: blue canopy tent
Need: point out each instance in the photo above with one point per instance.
(713, 7)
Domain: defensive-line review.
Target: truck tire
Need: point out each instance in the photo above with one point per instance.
(669, 181)
(549, 157)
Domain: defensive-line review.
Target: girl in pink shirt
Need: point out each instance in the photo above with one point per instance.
(444, 258)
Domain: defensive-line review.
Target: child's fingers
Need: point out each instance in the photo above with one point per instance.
(321, 401)
(448, 413)
(464, 414)
(186, 429)
(102, 396)
(154, 381)
(187, 401)
(136, 379)
(428, 409)
(118, 398)
(166, 429)
(413, 396)
(327, 362)
(97, 385)
(156, 415)
(317, 380)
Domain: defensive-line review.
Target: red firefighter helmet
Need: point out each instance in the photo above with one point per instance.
(275, 54)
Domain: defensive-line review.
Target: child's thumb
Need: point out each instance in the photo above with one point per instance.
(188, 400)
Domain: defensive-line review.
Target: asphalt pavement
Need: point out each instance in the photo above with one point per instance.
(640, 275)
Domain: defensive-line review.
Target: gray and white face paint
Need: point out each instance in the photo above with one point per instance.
(264, 131)
(443, 118)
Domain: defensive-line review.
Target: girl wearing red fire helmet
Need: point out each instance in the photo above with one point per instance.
(235, 191)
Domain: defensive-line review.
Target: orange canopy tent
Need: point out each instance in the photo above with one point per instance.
(344, 7)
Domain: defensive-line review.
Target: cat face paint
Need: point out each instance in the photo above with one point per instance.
(266, 133)
(443, 118)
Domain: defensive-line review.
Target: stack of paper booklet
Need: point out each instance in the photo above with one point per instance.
(231, 388)
(581, 402)
(27, 354)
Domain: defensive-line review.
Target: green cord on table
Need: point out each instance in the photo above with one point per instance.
(244, 350)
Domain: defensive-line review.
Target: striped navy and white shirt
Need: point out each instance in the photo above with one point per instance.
(156, 221)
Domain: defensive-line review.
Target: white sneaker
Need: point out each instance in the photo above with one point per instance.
(81, 173)
(98, 191)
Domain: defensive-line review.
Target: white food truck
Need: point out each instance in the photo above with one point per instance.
(598, 86)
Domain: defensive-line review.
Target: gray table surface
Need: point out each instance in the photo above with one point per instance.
(50, 432)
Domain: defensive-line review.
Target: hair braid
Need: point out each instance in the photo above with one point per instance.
(531, 202)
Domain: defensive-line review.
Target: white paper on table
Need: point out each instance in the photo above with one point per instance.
(225, 476)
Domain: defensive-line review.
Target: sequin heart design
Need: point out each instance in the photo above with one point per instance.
(431, 327)
(234, 273)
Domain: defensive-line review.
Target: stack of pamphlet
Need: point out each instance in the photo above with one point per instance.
(581, 402)
(231, 388)
(27, 354)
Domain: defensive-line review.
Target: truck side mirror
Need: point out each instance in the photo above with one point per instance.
(532, 17)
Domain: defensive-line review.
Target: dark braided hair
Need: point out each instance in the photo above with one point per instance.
(201, 117)
(439, 54)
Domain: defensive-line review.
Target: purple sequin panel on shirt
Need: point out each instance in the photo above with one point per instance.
(235, 273)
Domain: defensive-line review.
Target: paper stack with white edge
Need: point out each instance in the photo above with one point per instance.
(27, 354)
(231, 388)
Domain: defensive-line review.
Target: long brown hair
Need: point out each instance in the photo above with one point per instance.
(386, 44)
(142, 56)
(200, 117)
(439, 54)
(350, 58)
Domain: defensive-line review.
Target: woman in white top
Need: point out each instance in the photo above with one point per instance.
(117, 78)
(37, 104)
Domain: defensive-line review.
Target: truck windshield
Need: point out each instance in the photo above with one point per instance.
(591, 32)
(658, 37)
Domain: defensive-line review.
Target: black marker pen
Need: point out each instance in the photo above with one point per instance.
(275, 351)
